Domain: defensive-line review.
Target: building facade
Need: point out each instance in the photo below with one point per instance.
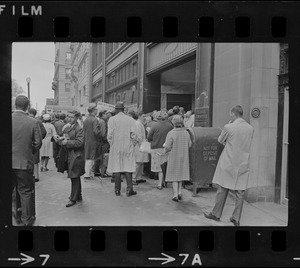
(80, 76)
(62, 75)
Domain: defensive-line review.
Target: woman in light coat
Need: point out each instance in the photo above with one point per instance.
(177, 143)
(140, 158)
(46, 150)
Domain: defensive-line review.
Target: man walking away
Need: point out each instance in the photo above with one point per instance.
(91, 129)
(232, 171)
(26, 140)
(99, 169)
(122, 137)
(32, 113)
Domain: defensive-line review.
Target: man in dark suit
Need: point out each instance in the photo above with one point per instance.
(26, 140)
(32, 113)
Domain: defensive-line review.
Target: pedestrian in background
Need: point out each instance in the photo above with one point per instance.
(92, 134)
(140, 158)
(122, 137)
(98, 166)
(189, 119)
(46, 151)
(36, 156)
(73, 142)
(58, 124)
(232, 171)
(177, 144)
(26, 140)
(157, 136)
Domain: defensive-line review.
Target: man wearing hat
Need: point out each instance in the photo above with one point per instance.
(92, 136)
(122, 137)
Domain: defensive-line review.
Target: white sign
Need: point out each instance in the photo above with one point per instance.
(105, 106)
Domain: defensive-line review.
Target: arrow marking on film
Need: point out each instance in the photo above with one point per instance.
(166, 260)
(27, 259)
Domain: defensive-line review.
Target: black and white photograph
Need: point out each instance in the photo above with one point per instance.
(150, 134)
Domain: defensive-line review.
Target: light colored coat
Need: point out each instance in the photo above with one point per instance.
(141, 136)
(232, 171)
(122, 137)
(47, 146)
(177, 143)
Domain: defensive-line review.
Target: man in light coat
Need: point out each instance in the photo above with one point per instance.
(122, 137)
(232, 171)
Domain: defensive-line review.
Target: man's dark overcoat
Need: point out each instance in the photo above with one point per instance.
(92, 134)
(75, 152)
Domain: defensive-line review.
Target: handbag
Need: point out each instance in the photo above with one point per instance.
(145, 147)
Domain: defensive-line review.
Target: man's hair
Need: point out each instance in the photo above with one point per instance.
(76, 113)
(22, 102)
(62, 116)
(56, 115)
(176, 110)
(237, 110)
(133, 114)
(32, 111)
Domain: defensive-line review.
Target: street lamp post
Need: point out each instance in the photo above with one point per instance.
(28, 80)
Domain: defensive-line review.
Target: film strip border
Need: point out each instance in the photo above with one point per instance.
(149, 21)
(156, 22)
(135, 246)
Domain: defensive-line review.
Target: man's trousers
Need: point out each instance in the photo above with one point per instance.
(221, 200)
(23, 182)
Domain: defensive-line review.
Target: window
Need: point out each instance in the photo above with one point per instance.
(134, 69)
(68, 73)
(84, 91)
(67, 87)
(68, 58)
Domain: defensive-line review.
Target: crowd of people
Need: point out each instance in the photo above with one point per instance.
(114, 144)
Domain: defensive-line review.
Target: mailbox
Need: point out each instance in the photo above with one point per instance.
(204, 154)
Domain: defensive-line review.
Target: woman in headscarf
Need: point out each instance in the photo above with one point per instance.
(46, 150)
(157, 136)
(177, 145)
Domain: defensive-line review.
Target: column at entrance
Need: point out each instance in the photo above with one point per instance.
(204, 84)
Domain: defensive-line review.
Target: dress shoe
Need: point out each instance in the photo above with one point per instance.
(159, 187)
(97, 174)
(42, 169)
(105, 175)
(79, 198)
(117, 193)
(70, 204)
(175, 198)
(134, 183)
(140, 181)
(180, 197)
(131, 193)
(211, 216)
(235, 223)
(35, 180)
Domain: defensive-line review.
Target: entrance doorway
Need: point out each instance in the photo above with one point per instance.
(184, 101)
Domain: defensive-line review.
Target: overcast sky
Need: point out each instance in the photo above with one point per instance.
(34, 60)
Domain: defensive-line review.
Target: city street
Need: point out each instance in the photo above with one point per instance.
(150, 207)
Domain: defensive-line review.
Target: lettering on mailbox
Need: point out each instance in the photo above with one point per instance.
(210, 152)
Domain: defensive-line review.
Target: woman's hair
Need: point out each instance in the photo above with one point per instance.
(162, 115)
(177, 121)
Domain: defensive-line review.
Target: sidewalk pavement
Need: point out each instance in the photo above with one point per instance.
(150, 207)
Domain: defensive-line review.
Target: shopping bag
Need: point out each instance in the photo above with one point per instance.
(145, 147)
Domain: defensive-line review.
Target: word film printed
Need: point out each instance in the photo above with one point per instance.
(204, 57)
